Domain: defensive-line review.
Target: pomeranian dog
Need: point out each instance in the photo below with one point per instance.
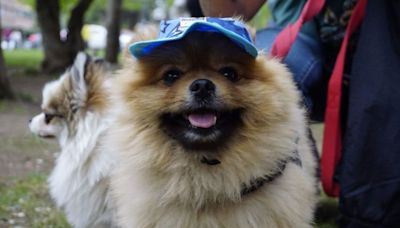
(207, 135)
(73, 112)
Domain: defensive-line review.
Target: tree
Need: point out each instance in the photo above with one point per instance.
(113, 30)
(5, 87)
(59, 53)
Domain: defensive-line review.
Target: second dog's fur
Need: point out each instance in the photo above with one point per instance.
(74, 107)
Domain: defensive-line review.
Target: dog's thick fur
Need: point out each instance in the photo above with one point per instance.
(161, 181)
(73, 111)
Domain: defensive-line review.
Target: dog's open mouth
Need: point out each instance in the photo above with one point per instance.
(202, 129)
(46, 136)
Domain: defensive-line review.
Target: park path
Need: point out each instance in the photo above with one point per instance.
(21, 153)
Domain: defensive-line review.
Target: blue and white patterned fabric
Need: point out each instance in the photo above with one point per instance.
(171, 30)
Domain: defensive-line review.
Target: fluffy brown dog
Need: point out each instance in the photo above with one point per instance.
(208, 136)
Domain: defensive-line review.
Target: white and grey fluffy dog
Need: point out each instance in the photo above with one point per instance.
(73, 112)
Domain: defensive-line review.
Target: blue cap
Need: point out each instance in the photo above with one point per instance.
(171, 30)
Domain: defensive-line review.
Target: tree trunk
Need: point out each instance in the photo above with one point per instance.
(5, 87)
(48, 12)
(60, 54)
(75, 24)
(113, 30)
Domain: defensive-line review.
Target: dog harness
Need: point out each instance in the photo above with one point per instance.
(260, 181)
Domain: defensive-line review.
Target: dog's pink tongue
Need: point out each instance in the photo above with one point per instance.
(206, 120)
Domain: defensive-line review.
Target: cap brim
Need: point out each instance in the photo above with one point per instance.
(143, 48)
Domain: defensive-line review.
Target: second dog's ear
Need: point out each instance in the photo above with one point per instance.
(80, 62)
(78, 74)
(78, 69)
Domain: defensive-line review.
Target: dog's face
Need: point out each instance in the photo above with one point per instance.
(66, 100)
(51, 122)
(202, 90)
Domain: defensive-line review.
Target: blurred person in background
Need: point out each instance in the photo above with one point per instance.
(16, 39)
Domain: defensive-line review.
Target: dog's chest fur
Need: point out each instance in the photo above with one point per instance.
(81, 175)
(273, 205)
(198, 195)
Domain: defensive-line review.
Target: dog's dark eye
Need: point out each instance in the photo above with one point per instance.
(171, 76)
(230, 73)
(48, 117)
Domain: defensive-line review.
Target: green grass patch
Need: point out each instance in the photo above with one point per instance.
(25, 142)
(25, 202)
(3, 105)
(15, 107)
(327, 212)
(28, 60)
(25, 97)
(260, 20)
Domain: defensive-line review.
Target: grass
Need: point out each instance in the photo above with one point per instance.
(25, 97)
(27, 59)
(25, 203)
(24, 143)
(3, 105)
(260, 20)
(327, 212)
(13, 107)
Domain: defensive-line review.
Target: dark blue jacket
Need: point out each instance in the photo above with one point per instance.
(369, 174)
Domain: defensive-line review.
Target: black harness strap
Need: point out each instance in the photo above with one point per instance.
(260, 181)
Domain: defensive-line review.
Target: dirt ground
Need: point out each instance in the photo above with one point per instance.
(21, 153)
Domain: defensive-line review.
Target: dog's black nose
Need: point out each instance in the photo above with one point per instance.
(30, 120)
(202, 88)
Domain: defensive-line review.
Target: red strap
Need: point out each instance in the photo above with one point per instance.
(332, 142)
(287, 36)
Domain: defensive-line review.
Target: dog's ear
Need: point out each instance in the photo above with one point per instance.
(78, 69)
(78, 77)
